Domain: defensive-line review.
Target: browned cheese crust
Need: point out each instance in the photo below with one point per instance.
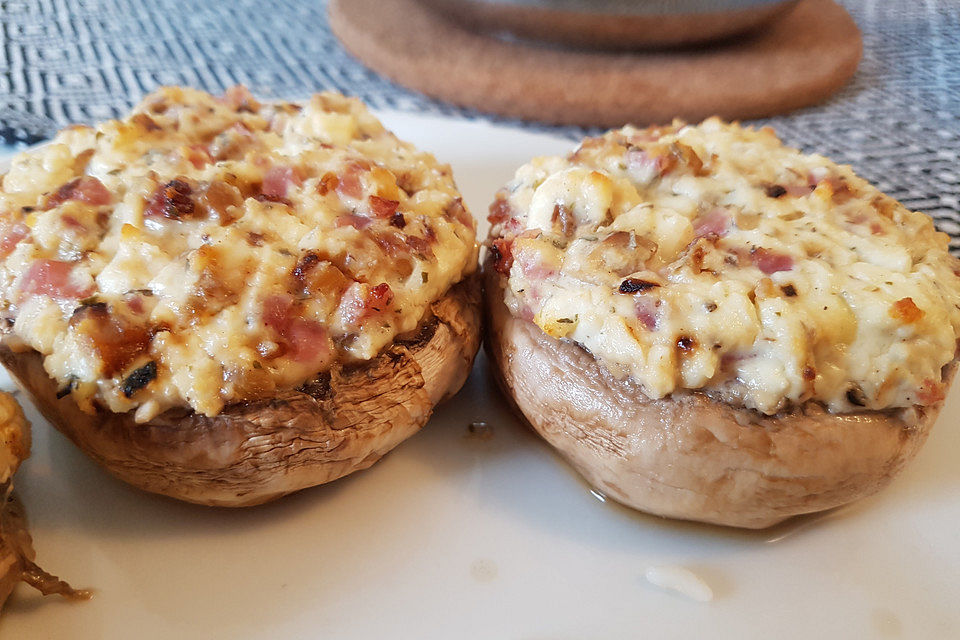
(686, 455)
(258, 451)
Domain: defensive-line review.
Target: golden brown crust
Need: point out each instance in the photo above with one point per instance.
(255, 452)
(688, 456)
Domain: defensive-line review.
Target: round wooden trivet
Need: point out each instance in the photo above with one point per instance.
(798, 60)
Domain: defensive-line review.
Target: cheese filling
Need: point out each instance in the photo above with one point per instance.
(205, 250)
(712, 257)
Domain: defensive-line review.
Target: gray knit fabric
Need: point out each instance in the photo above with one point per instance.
(898, 123)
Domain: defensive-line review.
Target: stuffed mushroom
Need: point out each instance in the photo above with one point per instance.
(225, 301)
(712, 326)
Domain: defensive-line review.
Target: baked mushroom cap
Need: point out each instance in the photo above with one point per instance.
(253, 452)
(711, 325)
(225, 301)
(687, 455)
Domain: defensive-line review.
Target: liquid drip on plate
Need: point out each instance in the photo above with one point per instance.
(797, 524)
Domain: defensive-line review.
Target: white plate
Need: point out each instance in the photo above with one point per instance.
(451, 536)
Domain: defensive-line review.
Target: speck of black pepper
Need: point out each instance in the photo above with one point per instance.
(789, 290)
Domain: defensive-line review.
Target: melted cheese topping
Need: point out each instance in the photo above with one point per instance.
(712, 257)
(206, 250)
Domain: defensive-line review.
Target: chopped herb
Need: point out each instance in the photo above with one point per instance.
(139, 379)
(66, 389)
(634, 285)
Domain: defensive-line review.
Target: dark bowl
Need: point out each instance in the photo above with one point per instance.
(615, 24)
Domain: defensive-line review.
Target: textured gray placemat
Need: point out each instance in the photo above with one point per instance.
(64, 61)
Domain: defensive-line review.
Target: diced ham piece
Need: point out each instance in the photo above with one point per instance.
(135, 304)
(349, 183)
(306, 340)
(393, 244)
(643, 166)
(770, 261)
(362, 301)
(380, 298)
(532, 267)
(276, 312)
(198, 156)
(83, 189)
(72, 223)
(277, 181)
(646, 309)
(52, 278)
(500, 211)
(420, 246)
(353, 220)
(716, 222)
(382, 207)
(11, 233)
(798, 190)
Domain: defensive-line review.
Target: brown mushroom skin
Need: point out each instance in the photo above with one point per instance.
(254, 452)
(688, 456)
